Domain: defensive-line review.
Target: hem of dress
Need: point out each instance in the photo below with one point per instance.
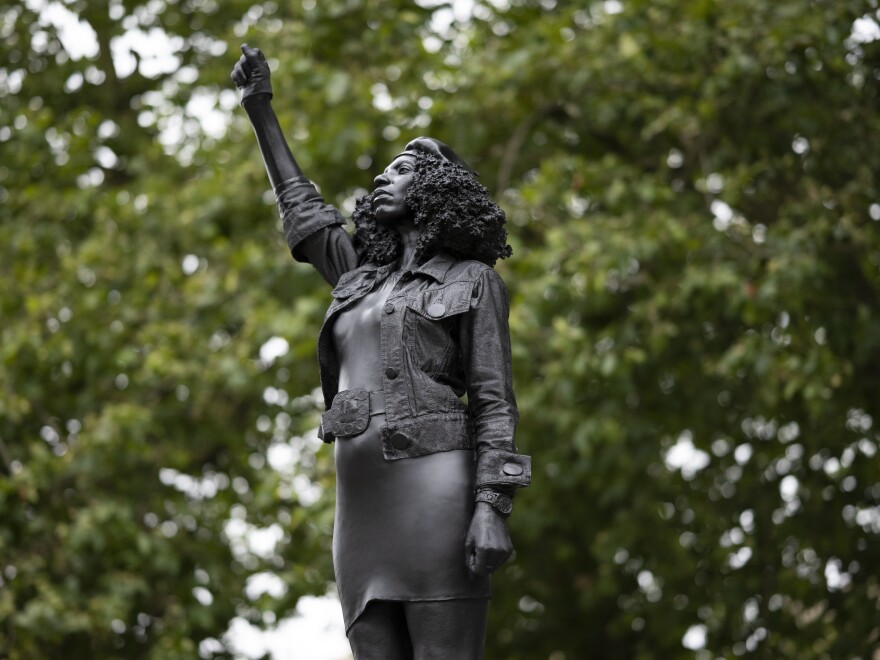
(394, 599)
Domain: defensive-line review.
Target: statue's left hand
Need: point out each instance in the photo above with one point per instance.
(488, 545)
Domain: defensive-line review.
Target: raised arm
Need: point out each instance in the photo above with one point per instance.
(251, 75)
(314, 229)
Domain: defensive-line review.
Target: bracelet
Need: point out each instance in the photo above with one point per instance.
(502, 503)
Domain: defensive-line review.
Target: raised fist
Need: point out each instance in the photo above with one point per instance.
(251, 73)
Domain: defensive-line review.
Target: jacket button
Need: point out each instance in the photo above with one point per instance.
(437, 309)
(512, 469)
(399, 440)
(391, 372)
(389, 308)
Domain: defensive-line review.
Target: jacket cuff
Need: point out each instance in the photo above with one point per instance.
(497, 467)
(501, 502)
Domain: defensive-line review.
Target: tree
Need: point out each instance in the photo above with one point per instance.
(691, 190)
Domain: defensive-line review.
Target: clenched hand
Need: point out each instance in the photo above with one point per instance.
(251, 73)
(488, 544)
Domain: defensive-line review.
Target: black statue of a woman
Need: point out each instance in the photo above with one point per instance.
(425, 481)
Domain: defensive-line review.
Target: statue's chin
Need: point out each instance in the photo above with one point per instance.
(391, 220)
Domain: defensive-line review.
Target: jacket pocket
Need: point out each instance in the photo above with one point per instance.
(430, 335)
(442, 302)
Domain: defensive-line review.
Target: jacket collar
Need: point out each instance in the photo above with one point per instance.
(365, 276)
(437, 266)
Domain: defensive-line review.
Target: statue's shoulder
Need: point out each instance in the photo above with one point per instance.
(468, 270)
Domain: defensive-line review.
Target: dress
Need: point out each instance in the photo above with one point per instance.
(400, 525)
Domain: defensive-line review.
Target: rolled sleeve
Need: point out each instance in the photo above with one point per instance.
(504, 468)
(315, 231)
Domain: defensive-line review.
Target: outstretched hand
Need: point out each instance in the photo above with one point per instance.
(488, 545)
(251, 73)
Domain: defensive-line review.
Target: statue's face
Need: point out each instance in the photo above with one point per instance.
(389, 197)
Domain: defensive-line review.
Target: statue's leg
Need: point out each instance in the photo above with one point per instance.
(380, 633)
(443, 629)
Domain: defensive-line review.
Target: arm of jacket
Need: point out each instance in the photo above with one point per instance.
(484, 337)
(315, 231)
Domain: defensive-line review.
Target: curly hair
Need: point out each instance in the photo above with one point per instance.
(452, 210)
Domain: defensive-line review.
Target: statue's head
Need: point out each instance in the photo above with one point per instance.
(433, 146)
(428, 184)
(391, 187)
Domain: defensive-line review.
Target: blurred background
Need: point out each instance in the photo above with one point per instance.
(691, 189)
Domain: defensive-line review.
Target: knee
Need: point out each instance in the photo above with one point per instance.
(440, 630)
(380, 633)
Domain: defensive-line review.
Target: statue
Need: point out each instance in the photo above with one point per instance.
(418, 319)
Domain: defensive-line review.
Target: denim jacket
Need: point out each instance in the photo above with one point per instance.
(444, 334)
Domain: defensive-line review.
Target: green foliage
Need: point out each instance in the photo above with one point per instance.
(692, 196)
